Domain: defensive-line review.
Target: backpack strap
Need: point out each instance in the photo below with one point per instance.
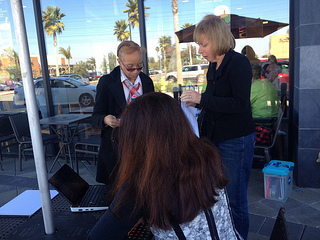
(177, 229)
(211, 224)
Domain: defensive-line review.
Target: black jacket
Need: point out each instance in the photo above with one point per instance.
(110, 99)
(226, 101)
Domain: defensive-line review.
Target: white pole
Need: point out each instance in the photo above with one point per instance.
(32, 109)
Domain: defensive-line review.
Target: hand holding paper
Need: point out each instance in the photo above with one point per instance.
(190, 113)
(191, 97)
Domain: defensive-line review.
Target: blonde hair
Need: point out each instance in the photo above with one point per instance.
(128, 47)
(217, 31)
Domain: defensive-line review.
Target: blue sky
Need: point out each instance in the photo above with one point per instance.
(89, 24)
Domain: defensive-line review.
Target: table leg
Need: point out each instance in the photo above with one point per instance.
(56, 158)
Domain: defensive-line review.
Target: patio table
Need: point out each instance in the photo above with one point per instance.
(68, 225)
(65, 121)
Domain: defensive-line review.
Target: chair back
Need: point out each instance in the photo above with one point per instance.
(20, 126)
(284, 97)
(5, 128)
(276, 126)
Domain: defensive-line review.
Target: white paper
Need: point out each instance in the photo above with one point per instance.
(25, 204)
(191, 114)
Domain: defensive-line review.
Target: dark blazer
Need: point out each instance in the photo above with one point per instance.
(226, 100)
(110, 99)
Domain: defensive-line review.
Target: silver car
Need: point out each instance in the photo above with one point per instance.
(65, 91)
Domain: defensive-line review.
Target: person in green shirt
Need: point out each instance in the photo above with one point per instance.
(264, 95)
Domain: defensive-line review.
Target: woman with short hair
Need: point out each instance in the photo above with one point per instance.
(114, 92)
(226, 117)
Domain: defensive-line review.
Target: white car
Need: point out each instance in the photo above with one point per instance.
(188, 72)
(76, 77)
(65, 91)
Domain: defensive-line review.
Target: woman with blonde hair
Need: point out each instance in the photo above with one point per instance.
(167, 176)
(226, 117)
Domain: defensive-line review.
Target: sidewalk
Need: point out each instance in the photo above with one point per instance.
(302, 207)
(302, 211)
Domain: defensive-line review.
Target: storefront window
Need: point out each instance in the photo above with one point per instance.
(83, 37)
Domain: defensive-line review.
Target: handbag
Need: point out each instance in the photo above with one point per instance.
(264, 131)
(263, 134)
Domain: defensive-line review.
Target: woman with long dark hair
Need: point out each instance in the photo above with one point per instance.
(167, 176)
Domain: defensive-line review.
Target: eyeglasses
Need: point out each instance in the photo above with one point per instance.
(268, 71)
(131, 69)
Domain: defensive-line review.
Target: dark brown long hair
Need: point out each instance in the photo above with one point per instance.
(171, 173)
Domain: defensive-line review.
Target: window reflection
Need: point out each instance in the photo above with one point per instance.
(90, 31)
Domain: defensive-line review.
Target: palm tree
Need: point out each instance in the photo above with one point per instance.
(159, 59)
(67, 54)
(120, 30)
(53, 26)
(186, 25)
(133, 15)
(176, 29)
(92, 62)
(164, 42)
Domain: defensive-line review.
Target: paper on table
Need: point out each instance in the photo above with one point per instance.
(191, 114)
(25, 204)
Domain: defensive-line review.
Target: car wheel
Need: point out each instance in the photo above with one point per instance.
(171, 79)
(86, 100)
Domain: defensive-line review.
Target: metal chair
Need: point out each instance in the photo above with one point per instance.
(20, 126)
(88, 146)
(282, 134)
(266, 147)
(7, 137)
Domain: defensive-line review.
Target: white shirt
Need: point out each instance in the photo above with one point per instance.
(125, 89)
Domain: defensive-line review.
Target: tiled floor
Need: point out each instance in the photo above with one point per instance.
(302, 209)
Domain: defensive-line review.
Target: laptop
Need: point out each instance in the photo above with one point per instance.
(82, 196)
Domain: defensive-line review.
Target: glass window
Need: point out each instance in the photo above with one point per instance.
(90, 31)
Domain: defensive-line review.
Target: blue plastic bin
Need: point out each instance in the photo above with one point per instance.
(278, 180)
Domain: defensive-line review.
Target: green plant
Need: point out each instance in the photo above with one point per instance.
(169, 87)
(157, 87)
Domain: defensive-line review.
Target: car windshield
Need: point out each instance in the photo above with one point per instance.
(76, 82)
(204, 67)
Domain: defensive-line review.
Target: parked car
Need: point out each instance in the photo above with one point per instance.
(65, 91)
(284, 75)
(9, 85)
(77, 77)
(188, 72)
(154, 72)
(94, 75)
